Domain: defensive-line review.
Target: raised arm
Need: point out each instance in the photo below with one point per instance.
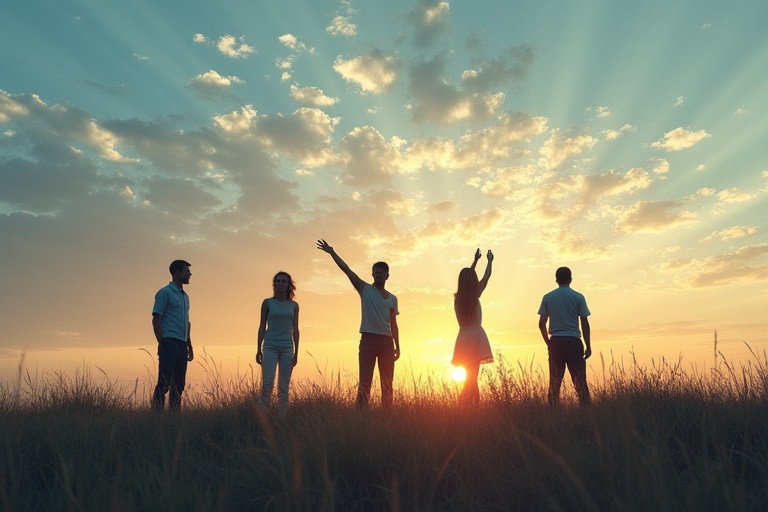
(477, 257)
(488, 270)
(353, 278)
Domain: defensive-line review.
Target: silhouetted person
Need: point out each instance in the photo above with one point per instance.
(565, 308)
(472, 347)
(170, 322)
(278, 340)
(379, 335)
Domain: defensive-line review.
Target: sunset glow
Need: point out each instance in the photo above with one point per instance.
(459, 374)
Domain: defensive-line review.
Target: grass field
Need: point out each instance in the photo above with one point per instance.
(656, 438)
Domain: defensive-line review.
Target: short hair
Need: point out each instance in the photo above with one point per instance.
(382, 265)
(563, 275)
(177, 265)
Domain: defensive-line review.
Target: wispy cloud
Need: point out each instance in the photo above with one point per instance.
(733, 233)
(679, 139)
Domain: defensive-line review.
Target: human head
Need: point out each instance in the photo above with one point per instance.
(179, 270)
(382, 265)
(290, 289)
(468, 282)
(563, 275)
(380, 272)
(467, 295)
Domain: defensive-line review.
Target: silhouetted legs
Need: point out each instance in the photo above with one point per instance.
(567, 352)
(373, 347)
(470, 393)
(276, 360)
(172, 374)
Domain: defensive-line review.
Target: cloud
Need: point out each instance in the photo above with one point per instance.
(652, 216)
(679, 139)
(513, 65)
(400, 246)
(68, 125)
(368, 158)
(505, 139)
(179, 196)
(234, 47)
(568, 197)
(58, 177)
(501, 139)
(440, 102)
(10, 108)
(341, 26)
(211, 82)
(603, 112)
(200, 39)
(564, 243)
(746, 265)
(733, 195)
(701, 193)
(563, 145)
(429, 20)
(660, 165)
(290, 41)
(616, 134)
(509, 182)
(374, 72)
(305, 135)
(679, 101)
(733, 233)
(442, 207)
(312, 96)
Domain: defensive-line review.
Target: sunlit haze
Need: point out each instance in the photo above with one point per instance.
(626, 140)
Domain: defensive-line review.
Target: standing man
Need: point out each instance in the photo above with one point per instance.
(565, 308)
(170, 322)
(379, 335)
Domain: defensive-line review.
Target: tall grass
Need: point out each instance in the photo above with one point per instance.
(656, 437)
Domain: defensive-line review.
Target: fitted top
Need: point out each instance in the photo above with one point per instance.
(279, 333)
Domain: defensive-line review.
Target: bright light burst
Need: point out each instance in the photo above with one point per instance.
(459, 374)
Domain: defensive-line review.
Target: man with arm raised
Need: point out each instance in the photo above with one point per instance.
(379, 334)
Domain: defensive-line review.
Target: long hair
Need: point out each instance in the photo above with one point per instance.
(466, 296)
(291, 290)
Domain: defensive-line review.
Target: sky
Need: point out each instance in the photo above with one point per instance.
(626, 140)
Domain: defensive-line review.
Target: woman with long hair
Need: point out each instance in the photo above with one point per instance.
(472, 347)
(278, 340)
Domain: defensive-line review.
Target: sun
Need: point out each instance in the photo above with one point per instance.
(459, 374)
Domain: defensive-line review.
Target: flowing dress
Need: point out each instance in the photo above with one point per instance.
(472, 343)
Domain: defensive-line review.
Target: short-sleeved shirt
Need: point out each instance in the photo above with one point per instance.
(172, 304)
(376, 310)
(564, 306)
(279, 333)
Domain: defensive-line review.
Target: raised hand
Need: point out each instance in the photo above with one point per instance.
(323, 246)
(489, 255)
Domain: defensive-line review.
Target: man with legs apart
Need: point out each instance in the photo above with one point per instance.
(565, 309)
(379, 334)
